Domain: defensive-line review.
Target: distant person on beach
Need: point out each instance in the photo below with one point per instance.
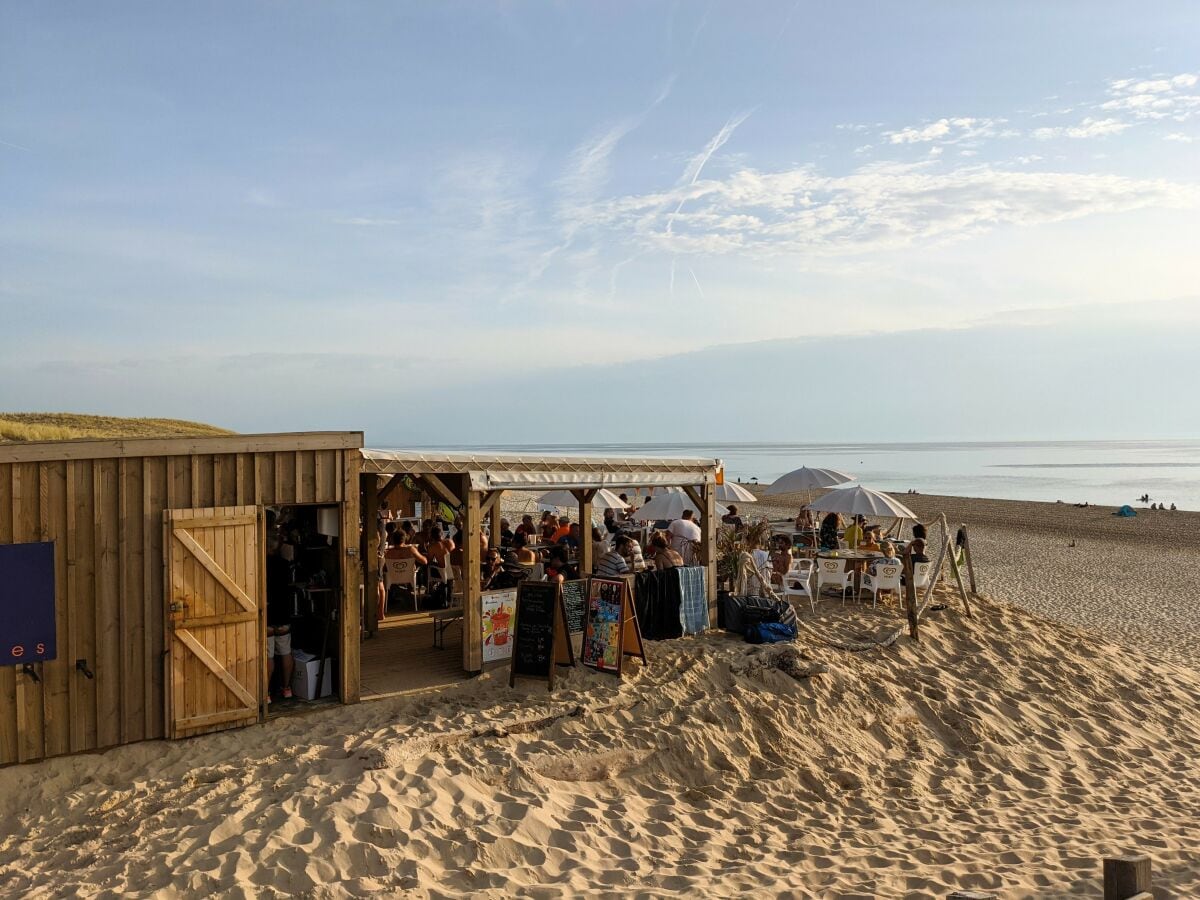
(829, 531)
(662, 554)
(1172, 507)
(732, 518)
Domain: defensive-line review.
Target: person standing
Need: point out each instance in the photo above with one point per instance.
(280, 604)
(685, 533)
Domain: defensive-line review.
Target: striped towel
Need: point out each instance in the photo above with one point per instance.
(693, 606)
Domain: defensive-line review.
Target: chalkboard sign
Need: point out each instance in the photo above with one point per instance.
(540, 639)
(27, 603)
(575, 602)
(611, 630)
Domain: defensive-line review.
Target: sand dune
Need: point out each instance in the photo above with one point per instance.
(1004, 752)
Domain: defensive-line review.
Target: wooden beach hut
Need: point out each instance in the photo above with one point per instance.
(157, 550)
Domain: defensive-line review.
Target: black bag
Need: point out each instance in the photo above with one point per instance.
(743, 611)
(399, 594)
(437, 597)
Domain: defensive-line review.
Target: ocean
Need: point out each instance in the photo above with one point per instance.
(1109, 473)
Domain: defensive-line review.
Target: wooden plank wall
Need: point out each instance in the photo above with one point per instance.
(105, 517)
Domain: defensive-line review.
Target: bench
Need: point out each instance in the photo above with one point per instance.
(443, 619)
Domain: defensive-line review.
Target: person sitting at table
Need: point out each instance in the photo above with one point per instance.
(558, 567)
(781, 558)
(572, 538)
(627, 509)
(854, 533)
(870, 541)
(610, 521)
(888, 558)
(632, 551)
(732, 518)
(561, 531)
(600, 543)
(506, 533)
(549, 526)
(525, 556)
(612, 564)
(829, 531)
(491, 566)
(527, 527)
(916, 551)
(805, 520)
(439, 548)
(661, 553)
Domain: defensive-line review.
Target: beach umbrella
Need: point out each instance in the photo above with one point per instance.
(730, 492)
(670, 506)
(861, 501)
(604, 499)
(806, 479)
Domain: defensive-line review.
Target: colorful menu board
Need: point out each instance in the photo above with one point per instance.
(602, 631)
(498, 609)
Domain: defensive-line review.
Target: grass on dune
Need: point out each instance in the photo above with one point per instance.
(16, 427)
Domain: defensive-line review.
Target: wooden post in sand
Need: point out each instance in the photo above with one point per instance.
(910, 598)
(967, 556)
(1127, 877)
(958, 578)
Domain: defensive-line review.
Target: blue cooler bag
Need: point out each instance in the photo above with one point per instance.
(769, 632)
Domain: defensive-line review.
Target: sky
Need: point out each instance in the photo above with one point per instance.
(573, 222)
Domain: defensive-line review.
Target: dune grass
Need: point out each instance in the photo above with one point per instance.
(19, 427)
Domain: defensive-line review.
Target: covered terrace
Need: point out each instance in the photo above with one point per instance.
(473, 484)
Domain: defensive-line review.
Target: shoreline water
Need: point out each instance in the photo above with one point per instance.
(1110, 473)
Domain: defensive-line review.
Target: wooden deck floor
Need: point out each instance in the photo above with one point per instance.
(401, 658)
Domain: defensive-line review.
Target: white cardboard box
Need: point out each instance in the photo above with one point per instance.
(304, 678)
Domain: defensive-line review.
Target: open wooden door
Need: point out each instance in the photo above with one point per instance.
(215, 618)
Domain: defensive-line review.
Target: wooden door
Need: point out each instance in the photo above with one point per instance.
(215, 618)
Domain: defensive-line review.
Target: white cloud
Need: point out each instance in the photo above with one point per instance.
(946, 131)
(804, 213)
(1179, 138)
(1088, 128)
(1162, 97)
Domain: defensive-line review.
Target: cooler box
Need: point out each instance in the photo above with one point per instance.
(304, 679)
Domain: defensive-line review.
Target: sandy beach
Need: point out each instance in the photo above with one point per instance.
(1007, 752)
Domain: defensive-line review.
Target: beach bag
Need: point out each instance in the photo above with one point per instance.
(438, 597)
(769, 633)
(743, 611)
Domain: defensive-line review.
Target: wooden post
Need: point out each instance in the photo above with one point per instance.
(585, 531)
(958, 578)
(708, 546)
(967, 555)
(369, 548)
(910, 598)
(494, 521)
(935, 573)
(472, 638)
(357, 571)
(1126, 877)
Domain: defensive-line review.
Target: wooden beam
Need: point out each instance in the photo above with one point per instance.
(357, 570)
(967, 555)
(490, 503)
(369, 550)
(910, 599)
(1126, 877)
(472, 636)
(958, 578)
(41, 451)
(438, 487)
(492, 508)
(707, 501)
(586, 550)
(384, 494)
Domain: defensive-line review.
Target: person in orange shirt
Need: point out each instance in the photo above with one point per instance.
(564, 528)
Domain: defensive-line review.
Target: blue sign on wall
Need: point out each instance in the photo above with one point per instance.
(26, 603)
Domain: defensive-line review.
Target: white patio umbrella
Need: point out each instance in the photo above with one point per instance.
(670, 506)
(604, 499)
(806, 479)
(730, 492)
(861, 501)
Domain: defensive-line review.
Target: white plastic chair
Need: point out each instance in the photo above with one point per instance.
(886, 578)
(833, 571)
(402, 572)
(797, 582)
(921, 575)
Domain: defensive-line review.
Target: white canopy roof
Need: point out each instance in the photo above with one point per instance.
(505, 471)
